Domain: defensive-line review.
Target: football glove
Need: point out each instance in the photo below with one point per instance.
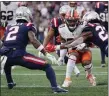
(41, 55)
(51, 47)
(51, 58)
(48, 57)
(58, 39)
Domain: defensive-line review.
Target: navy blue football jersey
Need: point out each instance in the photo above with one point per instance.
(100, 35)
(16, 37)
(102, 10)
(55, 23)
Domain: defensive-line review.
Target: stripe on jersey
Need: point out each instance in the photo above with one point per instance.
(55, 22)
(98, 4)
(90, 24)
(34, 59)
(28, 24)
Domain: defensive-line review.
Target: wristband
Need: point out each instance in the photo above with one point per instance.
(40, 47)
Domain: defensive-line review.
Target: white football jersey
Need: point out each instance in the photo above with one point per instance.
(8, 12)
(67, 34)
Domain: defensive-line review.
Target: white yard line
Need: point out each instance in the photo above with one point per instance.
(77, 66)
(39, 86)
(65, 67)
(56, 74)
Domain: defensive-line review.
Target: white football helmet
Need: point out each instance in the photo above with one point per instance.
(90, 15)
(72, 19)
(23, 13)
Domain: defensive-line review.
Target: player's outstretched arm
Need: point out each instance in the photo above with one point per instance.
(35, 42)
(48, 37)
(40, 47)
(82, 38)
(73, 43)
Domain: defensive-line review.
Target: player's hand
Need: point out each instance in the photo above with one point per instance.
(50, 48)
(80, 46)
(48, 57)
(58, 39)
(61, 61)
(41, 55)
(51, 58)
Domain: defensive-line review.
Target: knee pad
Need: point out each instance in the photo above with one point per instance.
(89, 66)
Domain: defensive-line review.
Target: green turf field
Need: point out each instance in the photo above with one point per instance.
(35, 83)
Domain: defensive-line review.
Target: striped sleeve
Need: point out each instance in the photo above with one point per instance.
(31, 27)
(54, 23)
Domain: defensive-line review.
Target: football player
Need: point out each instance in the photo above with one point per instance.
(53, 32)
(8, 9)
(93, 32)
(7, 13)
(16, 39)
(102, 9)
(79, 54)
(70, 30)
(80, 10)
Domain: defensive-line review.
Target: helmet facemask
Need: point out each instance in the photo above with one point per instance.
(72, 20)
(72, 23)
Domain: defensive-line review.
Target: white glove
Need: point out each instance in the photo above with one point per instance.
(48, 57)
(61, 61)
(41, 55)
(80, 46)
(51, 58)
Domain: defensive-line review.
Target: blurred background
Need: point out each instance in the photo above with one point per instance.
(44, 11)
